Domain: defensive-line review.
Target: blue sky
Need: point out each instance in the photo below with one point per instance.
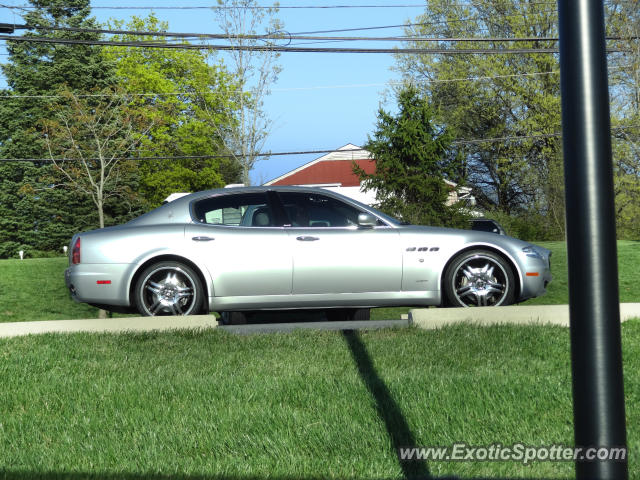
(321, 100)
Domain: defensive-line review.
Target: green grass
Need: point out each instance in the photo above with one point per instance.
(628, 274)
(303, 405)
(209, 405)
(34, 289)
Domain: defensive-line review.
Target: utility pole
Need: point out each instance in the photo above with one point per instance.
(596, 352)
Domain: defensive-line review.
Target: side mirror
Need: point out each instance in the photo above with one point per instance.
(366, 220)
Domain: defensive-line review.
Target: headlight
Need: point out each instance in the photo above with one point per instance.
(532, 252)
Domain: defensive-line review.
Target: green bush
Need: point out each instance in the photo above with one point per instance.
(11, 249)
(533, 226)
(528, 226)
(31, 253)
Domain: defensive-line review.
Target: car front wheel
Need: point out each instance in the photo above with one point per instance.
(169, 288)
(479, 278)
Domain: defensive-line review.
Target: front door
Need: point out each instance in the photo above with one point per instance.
(331, 254)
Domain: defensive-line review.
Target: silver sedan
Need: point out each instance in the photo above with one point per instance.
(272, 248)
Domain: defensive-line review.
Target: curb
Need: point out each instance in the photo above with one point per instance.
(432, 318)
(148, 324)
(424, 318)
(112, 325)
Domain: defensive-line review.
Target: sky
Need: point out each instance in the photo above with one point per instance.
(321, 101)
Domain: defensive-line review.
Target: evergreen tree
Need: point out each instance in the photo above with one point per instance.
(413, 159)
(513, 99)
(33, 214)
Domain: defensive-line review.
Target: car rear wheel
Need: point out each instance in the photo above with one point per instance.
(479, 278)
(169, 288)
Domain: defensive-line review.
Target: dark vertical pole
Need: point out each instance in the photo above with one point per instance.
(598, 396)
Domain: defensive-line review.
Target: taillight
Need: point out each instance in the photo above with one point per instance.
(75, 253)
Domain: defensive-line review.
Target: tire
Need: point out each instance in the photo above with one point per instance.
(169, 288)
(479, 278)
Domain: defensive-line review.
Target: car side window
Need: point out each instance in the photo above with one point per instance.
(318, 211)
(246, 210)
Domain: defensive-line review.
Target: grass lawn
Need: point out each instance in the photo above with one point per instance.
(210, 405)
(628, 273)
(34, 289)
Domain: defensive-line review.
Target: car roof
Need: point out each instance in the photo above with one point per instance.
(230, 190)
(178, 210)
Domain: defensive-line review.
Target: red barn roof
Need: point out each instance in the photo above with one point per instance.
(334, 168)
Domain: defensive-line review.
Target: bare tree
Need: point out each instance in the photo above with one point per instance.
(255, 71)
(89, 138)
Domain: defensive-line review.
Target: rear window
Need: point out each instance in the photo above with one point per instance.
(246, 209)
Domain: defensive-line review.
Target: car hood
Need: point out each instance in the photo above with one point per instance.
(470, 236)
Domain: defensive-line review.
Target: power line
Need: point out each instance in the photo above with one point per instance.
(355, 29)
(477, 141)
(269, 7)
(231, 7)
(288, 36)
(518, 138)
(319, 87)
(281, 35)
(364, 28)
(276, 48)
(185, 157)
(405, 25)
(207, 35)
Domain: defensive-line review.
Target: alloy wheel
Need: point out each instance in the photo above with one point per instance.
(480, 280)
(168, 291)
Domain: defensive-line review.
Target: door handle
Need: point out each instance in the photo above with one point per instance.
(202, 239)
(305, 238)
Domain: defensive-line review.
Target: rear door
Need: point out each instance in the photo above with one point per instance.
(243, 246)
